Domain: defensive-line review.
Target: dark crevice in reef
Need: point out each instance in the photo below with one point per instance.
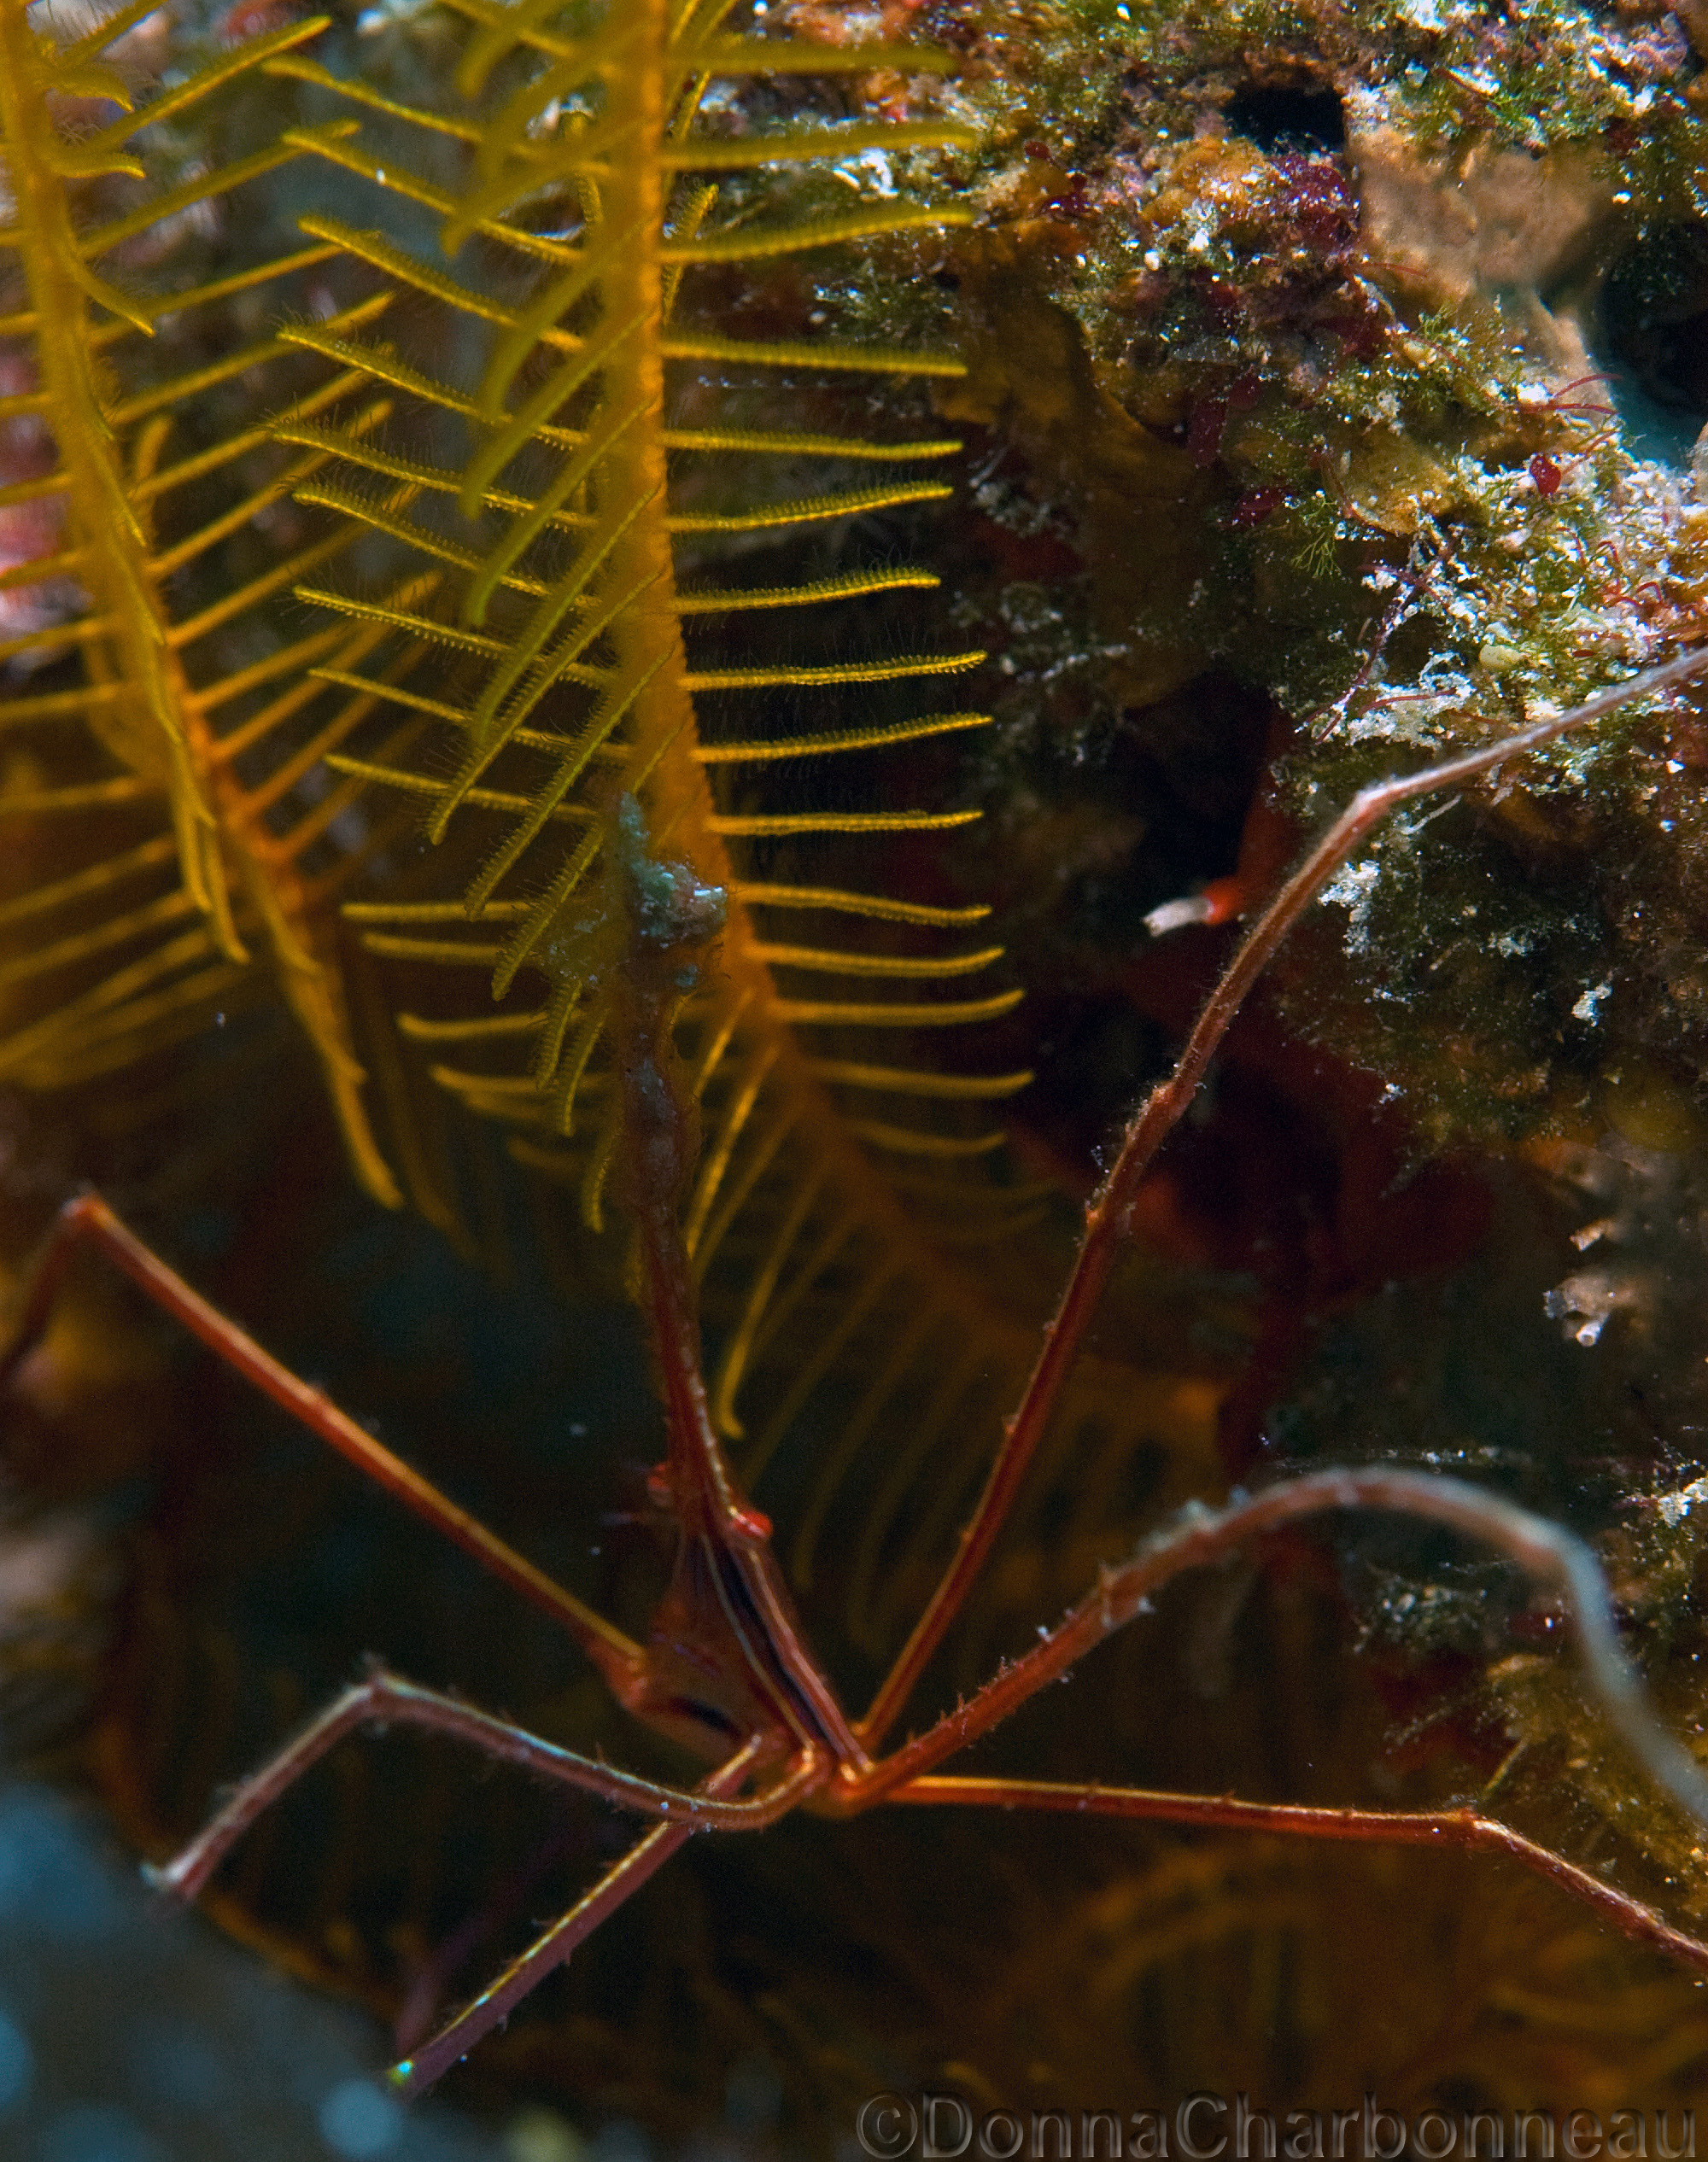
(1094, 819)
(1278, 117)
(1655, 312)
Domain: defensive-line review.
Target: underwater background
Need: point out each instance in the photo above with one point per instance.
(1331, 384)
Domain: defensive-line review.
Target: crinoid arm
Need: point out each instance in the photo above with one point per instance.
(166, 746)
(604, 634)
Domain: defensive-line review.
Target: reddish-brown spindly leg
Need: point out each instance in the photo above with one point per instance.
(1554, 1559)
(87, 1221)
(1457, 1827)
(648, 1856)
(787, 1683)
(381, 1700)
(781, 1665)
(1108, 1217)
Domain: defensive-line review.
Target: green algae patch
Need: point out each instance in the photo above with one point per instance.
(1343, 354)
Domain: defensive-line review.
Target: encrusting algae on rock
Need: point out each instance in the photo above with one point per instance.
(1351, 359)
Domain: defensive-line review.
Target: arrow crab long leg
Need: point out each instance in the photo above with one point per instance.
(1108, 1219)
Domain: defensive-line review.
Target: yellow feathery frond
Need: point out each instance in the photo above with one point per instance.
(629, 670)
(841, 902)
(879, 738)
(152, 704)
(762, 443)
(811, 509)
(908, 967)
(777, 353)
(767, 826)
(750, 245)
(839, 673)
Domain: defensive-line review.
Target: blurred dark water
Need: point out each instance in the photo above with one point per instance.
(132, 2033)
(129, 2033)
